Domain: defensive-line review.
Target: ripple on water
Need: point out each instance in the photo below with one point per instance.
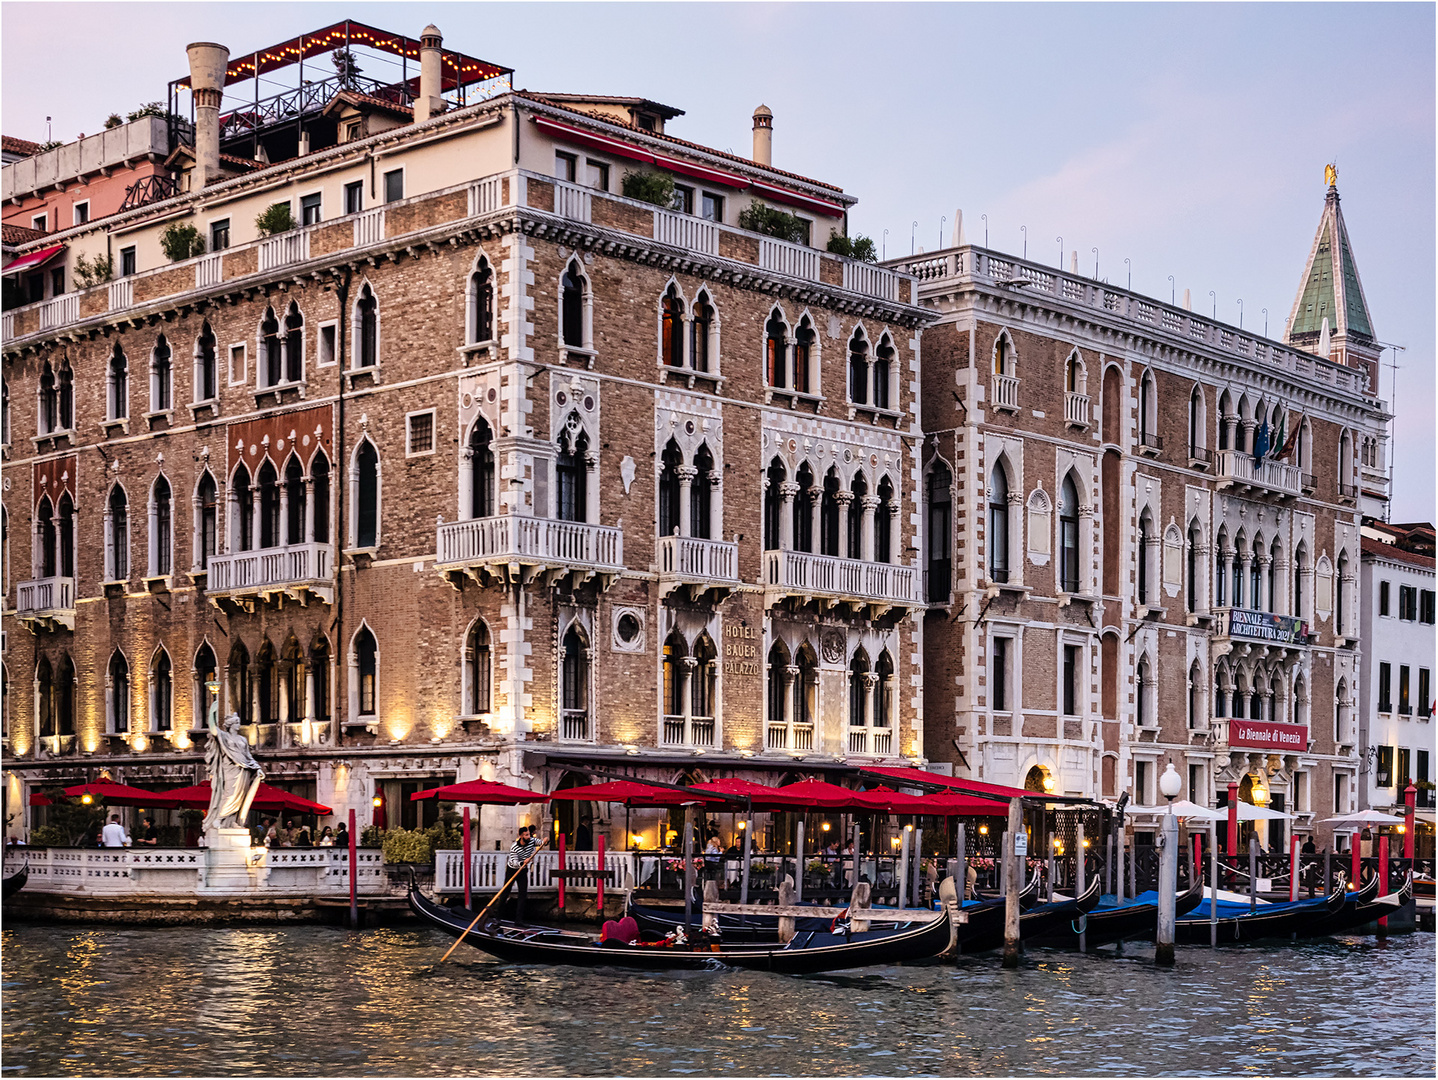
(322, 1001)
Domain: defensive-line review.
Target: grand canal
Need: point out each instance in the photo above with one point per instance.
(323, 1001)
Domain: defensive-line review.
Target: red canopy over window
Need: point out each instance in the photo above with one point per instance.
(33, 261)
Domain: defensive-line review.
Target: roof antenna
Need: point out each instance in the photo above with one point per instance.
(48, 136)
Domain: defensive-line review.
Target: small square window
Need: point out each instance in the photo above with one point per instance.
(713, 208)
(1383, 608)
(38, 222)
(596, 175)
(566, 166)
(394, 185)
(220, 234)
(57, 281)
(354, 197)
(127, 261)
(237, 364)
(310, 209)
(82, 212)
(354, 129)
(683, 199)
(326, 345)
(420, 436)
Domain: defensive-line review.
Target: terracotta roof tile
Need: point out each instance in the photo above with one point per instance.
(19, 146)
(19, 234)
(1381, 550)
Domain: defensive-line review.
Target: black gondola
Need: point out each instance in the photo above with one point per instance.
(15, 882)
(985, 928)
(807, 953)
(1237, 924)
(1361, 907)
(1135, 920)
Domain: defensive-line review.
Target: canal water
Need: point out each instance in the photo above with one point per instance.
(322, 1001)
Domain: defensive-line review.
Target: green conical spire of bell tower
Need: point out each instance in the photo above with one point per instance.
(1331, 291)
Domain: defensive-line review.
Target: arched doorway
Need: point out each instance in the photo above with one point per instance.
(572, 818)
(1253, 790)
(1038, 779)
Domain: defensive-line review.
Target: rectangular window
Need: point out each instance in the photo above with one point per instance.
(1300, 792)
(38, 222)
(1385, 687)
(1383, 608)
(1385, 767)
(354, 197)
(127, 261)
(1425, 687)
(566, 166)
(1340, 788)
(1407, 603)
(1405, 762)
(1196, 792)
(1425, 607)
(394, 185)
(806, 229)
(354, 129)
(420, 434)
(310, 209)
(327, 345)
(1405, 707)
(82, 212)
(596, 174)
(1070, 680)
(57, 281)
(220, 234)
(237, 365)
(999, 677)
(1140, 783)
(713, 207)
(34, 287)
(683, 199)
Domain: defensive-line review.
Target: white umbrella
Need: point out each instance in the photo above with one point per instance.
(1366, 817)
(1249, 812)
(1182, 808)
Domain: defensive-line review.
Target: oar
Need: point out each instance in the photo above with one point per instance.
(523, 866)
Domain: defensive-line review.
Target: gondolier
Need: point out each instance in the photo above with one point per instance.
(520, 852)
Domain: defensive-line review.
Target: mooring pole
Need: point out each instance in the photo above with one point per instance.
(799, 859)
(1081, 883)
(468, 903)
(1167, 889)
(688, 865)
(1118, 867)
(599, 883)
(354, 873)
(1252, 874)
(1292, 868)
(1383, 881)
(1213, 887)
(1015, 849)
(903, 874)
(744, 870)
(962, 854)
(1050, 866)
(563, 865)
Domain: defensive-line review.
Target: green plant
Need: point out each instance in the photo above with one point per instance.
(151, 108)
(49, 836)
(275, 220)
(73, 818)
(114, 120)
(857, 246)
(49, 145)
(91, 272)
(183, 241)
(654, 187)
(371, 836)
(346, 67)
(408, 846)
(766, 219)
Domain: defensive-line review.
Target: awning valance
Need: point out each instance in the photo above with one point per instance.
(32, 261)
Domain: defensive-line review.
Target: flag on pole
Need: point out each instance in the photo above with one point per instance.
(1260, 444)
(1287, 446)
(1281, 435)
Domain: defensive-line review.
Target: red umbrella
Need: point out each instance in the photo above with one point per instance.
(819, 795)
(107, 791)
(486, 792)
(957, 804)
(762, 795)
(39, 798)
(895, 802)
(631, 793)
(197, 797)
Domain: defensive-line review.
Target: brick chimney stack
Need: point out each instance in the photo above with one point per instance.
(429, 102)
(208, 62)
(763, 136)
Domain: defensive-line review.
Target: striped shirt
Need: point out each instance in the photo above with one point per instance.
(520, 852)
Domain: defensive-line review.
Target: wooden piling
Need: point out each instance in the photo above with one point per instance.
(786, 899)
(1081, 883)
(1011, 884)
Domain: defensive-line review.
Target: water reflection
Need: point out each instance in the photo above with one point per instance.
(322, 1001)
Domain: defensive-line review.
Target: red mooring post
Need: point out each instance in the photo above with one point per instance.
(1357, 843)
(1197, 856)
(561, 875)
(1232, 825)
(467, 859)
(1383, 880)
(599, 882)
(1293, 868)
(354, 873)
(1410, 802)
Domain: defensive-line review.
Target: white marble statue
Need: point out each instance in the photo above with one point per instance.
(235, 775)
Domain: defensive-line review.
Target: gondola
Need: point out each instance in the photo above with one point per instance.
(1236, 923)
(1133, 920)
(1362, 907)
(985, 928)
(808, 953)
(15, 882)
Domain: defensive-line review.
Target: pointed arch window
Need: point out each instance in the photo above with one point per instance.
(294, 344)
(805, 381)
(701, 494)
(206, 365)
(803, 511)
(1195, 541)
(671, 461)
(858, 491)
(49, 401)
(1196, 720)
(775, 698)
(117, 695)
(117, 535)
(320, 472)
(574, 686)
(806, 698)
(367, 671)
(703, 687)
(367, 496)
(269, 483)
(267, 685)
(671, 337)
(161, 528)
(884, 515)
(367, 310)
(119, 384)
(571, 473)
(701, 326)
(271, 350)
(1197, 442)
(883, 373)
(998, 525)
(573, 299)
(1143, 713)
(242, 528)
(482, 470)
(883, 697)
(1237, 567)
(1300, 582)
(940, 533)
(776, 352)
(773, 504)
(1147, 404)
(161, 694)
(4, 411)
(1003, 355)
(66, 394)
(478, 664)
(859, 679)
(207, 685)
(481, 303)
(237, 670)
(45, 530)
(295, 502)
(65, 536)
(676, 651)
(1068, 536)
(318, 681)
(1340, 597)
(858, 369)
(1145, 524)
(161, 376)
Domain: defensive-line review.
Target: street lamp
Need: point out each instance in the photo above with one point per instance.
(1259, 792)
(1130, 272)
(1170, 784)
(986, 229)
(1095, 263)
(1172, 291)
(1048, 783)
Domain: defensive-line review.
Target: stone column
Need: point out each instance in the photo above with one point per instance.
(787, 490)
(1248, 427)
(790, 674)
(1262, 562)
(591, 463)
(687, 664)
(307, 534)
(284, 530)
(845, 499)
(870, 680)
(686, 474)
(467, 509)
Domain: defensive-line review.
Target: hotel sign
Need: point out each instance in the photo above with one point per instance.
(1276, 738)
(1266, 626)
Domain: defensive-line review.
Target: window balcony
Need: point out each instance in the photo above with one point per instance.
(693, 731)
(829, 580)
(1005, 392)
(518, 549)
(798, 738)
(1076, 409)
(47, 603)
(1243, 471)
(574, 725)
(1150, 444)
(697, 567)
(297, 571)
(1246, 631)
(871, 742)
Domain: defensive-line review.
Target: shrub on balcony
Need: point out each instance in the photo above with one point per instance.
(371, 836)
(181, 241)
(91, 272)
(656, 188)
(858, 247)
(408, 846)
(776, 223)
(152, 108)
(114, 120)
(49, 836)
(277, 219)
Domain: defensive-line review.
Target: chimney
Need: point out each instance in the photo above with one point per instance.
(429, 103)
(1187, 301)
(763, 136)
(208, 62)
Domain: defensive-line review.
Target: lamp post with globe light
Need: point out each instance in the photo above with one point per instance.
(1169, 785)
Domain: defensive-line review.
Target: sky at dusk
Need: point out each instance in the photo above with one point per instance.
(1189, 139)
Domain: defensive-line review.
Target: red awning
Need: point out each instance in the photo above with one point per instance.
(819, 795)
(113, 794)
(197, 797)
(485, 792)
(630, 793)
(956, 804)
(761, 796)
(972, 787)
(895, 802)
(33, 261)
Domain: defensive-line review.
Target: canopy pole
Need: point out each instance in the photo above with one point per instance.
(688, 865)
(961, 857)
(903, 874)
(1081, 883)
(744, 869)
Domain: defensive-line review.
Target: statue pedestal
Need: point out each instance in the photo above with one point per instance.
(227, 861)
